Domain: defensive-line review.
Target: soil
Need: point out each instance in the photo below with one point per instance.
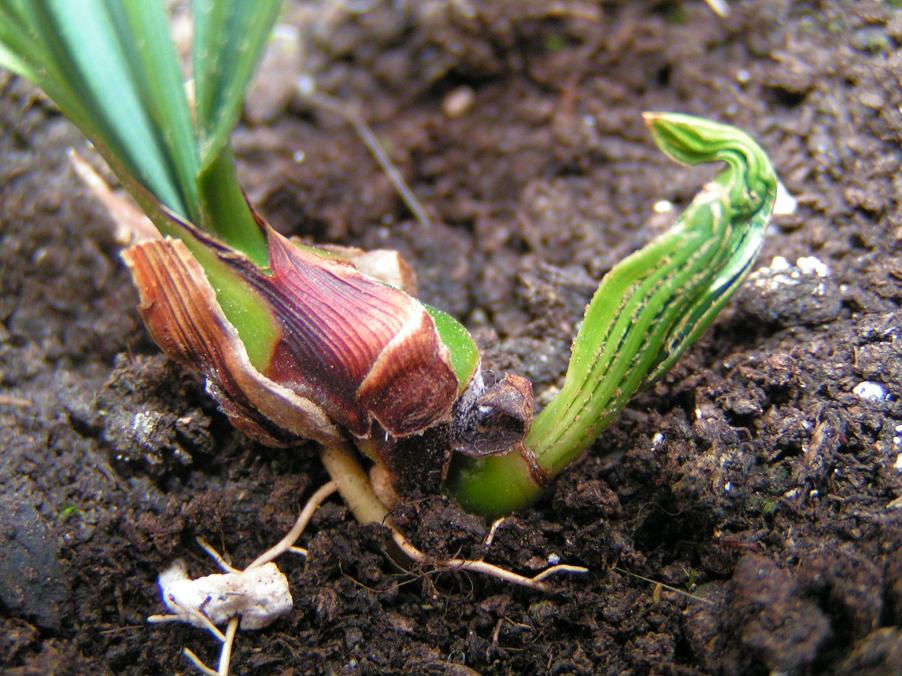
(742, 516)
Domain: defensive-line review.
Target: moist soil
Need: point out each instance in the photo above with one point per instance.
(741, 516)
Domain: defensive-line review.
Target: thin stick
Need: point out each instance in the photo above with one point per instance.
(18, 402)
(352, 117)
(665, 586)
(286, 543)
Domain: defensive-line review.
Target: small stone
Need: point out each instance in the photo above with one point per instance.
(31, 577)
(870, 391)
(458, 102)
(259, 595)
(663, 207)
(785, 294)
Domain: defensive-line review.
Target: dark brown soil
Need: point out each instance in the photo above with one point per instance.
(743, 516)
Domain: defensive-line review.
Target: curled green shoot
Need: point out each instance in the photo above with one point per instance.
(647, 311)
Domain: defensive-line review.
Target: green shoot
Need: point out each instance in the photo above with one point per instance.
(297, 343)
(228, 40)
(112, 68)
(647, 311)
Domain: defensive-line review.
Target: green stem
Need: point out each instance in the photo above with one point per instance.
(647, 311)
(225, 211)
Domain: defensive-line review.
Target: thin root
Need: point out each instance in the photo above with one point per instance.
(216, 556)
(225, 656)
(496, 524)
(536, 582)
(356, 490)
(212, 628)
(287, 542)
(198, 663)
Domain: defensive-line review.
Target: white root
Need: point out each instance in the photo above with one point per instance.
(537, 582)
(357, 492)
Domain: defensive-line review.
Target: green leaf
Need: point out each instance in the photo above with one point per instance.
(228, 40)
(646, 312)
(654, 304)
(153, 64)
(463, 351)
(111, 67)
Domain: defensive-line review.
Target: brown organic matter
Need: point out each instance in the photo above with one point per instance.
(755, 479)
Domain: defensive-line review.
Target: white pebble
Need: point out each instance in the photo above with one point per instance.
(259, 595)
(870, 391)
(778, 263)
(784, 204)
(663, 207)
(810, 264)
(458, 102)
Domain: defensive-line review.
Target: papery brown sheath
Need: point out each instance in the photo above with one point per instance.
(354, 357)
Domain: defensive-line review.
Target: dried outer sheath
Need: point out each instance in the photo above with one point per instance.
(355, 355)
(180, 310)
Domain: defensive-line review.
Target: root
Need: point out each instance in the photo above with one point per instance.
(350, 480)
(354, 486)
(286, 544)
(537, 582)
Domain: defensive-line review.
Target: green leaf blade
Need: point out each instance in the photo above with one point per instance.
(229, 38)
(153, 63)
(228, 41)
(668, 293)
(87, 57)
